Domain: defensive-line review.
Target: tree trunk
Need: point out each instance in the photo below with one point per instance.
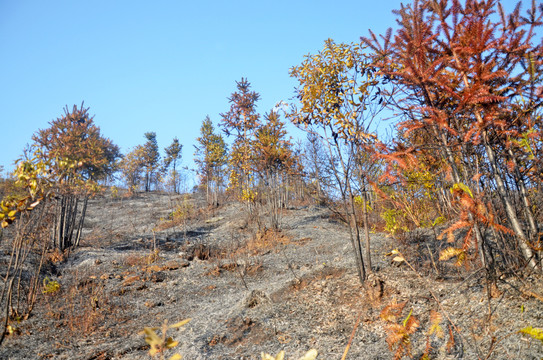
(509, 210)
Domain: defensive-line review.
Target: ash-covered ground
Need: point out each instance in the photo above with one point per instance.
(249, 292)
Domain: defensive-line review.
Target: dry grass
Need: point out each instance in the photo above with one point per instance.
(82, 308)
(140, 260)
(263, 241)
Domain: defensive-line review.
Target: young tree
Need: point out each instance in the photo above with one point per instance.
(471, 76)
(274, 160)
(241, 120)
(151, 160)
(80, 156)
(131, 167)
(211, 157)
(336, 90)
(173, 153)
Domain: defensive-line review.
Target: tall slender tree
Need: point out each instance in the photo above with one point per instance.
(211, 157)
(273, 161)
(151, 160)
(241, 121)
(173, 154)
(339, 100)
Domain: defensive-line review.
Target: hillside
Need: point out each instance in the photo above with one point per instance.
(247, 292)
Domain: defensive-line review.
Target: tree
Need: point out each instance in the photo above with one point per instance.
(173, 153)
(211, 158)
(273, 161)
(337, 91)
(471, 76)
(151, 160)
(80, 156)
(241, 120)
(131, 167)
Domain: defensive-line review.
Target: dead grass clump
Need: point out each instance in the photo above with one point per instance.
(140, 260)
(82, 308)
(248, 269)
(263, 241)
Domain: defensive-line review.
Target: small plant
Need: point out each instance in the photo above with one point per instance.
(394, 221)
(50, 286)
(399, 335)
(114, 192)
(160, 344)
(535, 333)
(310, 355)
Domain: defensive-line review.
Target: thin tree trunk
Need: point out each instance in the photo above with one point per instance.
(81, 222)
(510, 212)
(366, 230)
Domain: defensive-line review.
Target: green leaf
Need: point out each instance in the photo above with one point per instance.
(407, 318)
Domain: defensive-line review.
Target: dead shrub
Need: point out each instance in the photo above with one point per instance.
(247, 269)
(82, 307)
(263, 241)
(205, 252)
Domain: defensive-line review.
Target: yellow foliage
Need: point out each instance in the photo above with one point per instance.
(50, 286)
(435, 320)
(535, 333)
(451, 252)
(310, 355)
(160, 344)
(459, 187)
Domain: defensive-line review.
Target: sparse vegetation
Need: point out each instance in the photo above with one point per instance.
(457, 187)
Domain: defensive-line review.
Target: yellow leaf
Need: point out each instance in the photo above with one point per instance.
(462, 187)
(450, 252)
(398, 259)
(279, 356)
(170, 343)
(175, 357)
(179, 324)
(536, 333)
(310, 355)
(151, 337)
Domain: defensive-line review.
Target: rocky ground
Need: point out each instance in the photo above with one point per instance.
(247, 292)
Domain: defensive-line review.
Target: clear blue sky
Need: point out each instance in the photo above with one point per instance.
(158, 66)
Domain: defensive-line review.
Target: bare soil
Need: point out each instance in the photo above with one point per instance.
(249, 292)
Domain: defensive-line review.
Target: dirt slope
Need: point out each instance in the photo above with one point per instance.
(294, 291)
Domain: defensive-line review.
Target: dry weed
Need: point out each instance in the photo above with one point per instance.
(263, 241)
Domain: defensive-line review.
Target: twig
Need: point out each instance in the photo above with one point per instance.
(357, 323)
(432, 258)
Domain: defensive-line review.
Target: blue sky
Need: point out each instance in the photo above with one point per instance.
(158, 66)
